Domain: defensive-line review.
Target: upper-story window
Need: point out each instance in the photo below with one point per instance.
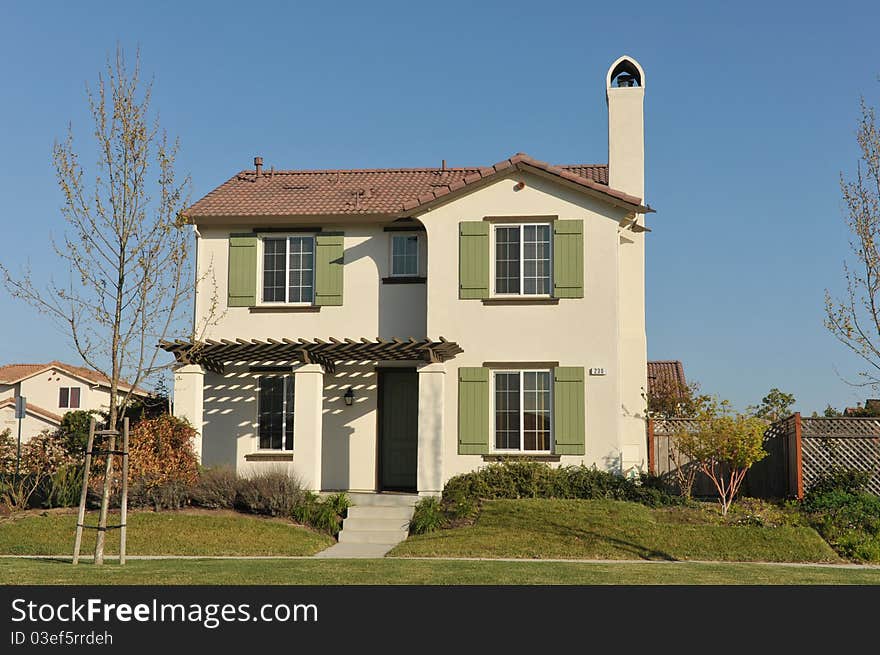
(405, 255)
(289, 269)
(523, 259)
(68, 397)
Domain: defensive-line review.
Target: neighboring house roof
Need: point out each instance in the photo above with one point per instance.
(12, 373)
(393, 192)
(33, 409)
(664, 375)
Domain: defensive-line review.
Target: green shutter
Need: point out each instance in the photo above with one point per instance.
(568, 259)
(473, 410)
(329, 254)
(568, 410)
(473, 262)
(242, 291)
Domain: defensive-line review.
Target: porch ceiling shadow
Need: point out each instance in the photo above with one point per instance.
(212, 353)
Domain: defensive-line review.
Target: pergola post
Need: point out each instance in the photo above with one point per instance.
(189, 403)
(432, 384)
(308, 421)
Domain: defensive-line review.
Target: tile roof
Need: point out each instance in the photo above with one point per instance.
(392, 191)
(668, 374)
(12, 373)
(33, 409)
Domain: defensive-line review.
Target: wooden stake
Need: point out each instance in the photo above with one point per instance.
(85, 490)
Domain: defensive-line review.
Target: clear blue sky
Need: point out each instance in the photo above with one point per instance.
(751, 111)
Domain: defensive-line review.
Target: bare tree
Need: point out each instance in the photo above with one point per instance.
(125, 245)
(855, 318)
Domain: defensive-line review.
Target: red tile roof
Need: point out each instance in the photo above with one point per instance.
(33, 409)
(392, 191)
(662, 375)
(12, 373)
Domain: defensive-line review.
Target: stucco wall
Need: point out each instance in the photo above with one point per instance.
(31, 425)
(370, 308)
(348, 453)
(575, 332)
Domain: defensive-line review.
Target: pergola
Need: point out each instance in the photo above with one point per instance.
(212, 354)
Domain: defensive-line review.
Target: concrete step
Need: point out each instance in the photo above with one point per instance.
(355, 523)
(355, 551)
(372, 536)
(383, 499)
(378, 512)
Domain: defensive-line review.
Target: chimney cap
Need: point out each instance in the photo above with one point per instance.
(629, 66)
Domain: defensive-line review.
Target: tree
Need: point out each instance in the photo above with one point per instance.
(855, 318)
(723, 445)
(830, 412)
(774, 406)
(675, 400)
(125, 245)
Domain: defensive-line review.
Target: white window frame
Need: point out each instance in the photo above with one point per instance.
(70, 398)
(288, 379)
(262, 263)
(501, 451)
(493, 258)
(404, 235)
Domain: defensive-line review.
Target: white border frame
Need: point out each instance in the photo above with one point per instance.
(492, 258)
(520, 451)
(405, 235)
(261, 260)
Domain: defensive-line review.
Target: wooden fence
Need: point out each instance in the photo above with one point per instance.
(799, 451)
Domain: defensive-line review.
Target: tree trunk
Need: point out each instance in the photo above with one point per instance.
(105, 502)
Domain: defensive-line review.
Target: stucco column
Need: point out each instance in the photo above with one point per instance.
(189, 400)
(431, 396)
(308, 405)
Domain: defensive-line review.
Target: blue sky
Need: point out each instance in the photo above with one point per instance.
(751, 111)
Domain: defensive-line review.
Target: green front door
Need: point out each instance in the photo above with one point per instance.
(398, 428)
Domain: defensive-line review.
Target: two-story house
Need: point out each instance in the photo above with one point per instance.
(50, 391)
(388, 329)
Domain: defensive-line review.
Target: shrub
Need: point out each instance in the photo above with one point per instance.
(74, 430)
(41, 458)
(839, 478)
(216, 488)
(427, 517)
(846, 517)
(322, 514)
(65, 486)
(270, 493)
(510, 480)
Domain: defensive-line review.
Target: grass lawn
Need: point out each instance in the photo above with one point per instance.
(608, 529)
(164, 533)
(421, 572)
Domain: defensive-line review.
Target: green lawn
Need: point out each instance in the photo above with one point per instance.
(421, 572)
(608, 529)
(165, 533)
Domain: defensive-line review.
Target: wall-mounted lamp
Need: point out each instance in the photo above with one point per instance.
(349, 396)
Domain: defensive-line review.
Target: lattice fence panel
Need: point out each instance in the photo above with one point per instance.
(819, 454)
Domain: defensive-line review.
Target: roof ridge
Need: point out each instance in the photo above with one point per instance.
(297, 171)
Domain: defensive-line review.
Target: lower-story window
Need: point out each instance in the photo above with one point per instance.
(276, 412)
(523, 413)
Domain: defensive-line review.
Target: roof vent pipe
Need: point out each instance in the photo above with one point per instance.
(258, 163)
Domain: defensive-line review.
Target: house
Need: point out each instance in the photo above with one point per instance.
(50, 391)
(387, 329)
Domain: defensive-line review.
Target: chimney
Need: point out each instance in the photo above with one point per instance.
(258, 163)
(625, 94)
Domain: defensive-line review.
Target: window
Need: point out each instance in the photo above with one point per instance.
(522, 259)
(68, 397)
(289, 269)
(405, 255)
(522, 411)
(276, 412)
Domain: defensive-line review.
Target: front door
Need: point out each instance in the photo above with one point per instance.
(398, 428)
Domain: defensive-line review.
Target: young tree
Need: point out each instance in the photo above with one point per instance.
(774, 406)
(125, 247)
(675, 400)
(126, 244)
(855, 318)
(723, 445)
